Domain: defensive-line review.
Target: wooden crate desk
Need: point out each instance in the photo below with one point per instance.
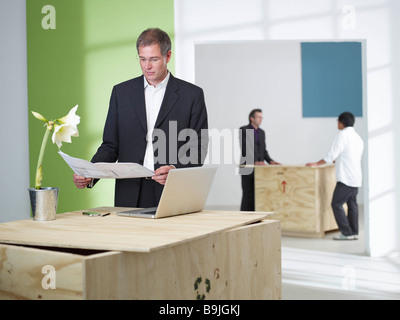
(300, 196)
(205, 255)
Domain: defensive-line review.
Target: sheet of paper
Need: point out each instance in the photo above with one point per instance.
(105, 170)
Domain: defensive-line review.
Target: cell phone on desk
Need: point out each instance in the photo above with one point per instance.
(95, 214)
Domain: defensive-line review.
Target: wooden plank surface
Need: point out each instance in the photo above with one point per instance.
(73, 230)
(243, 263)
(22, 274)
(299, 195)
(290, 192)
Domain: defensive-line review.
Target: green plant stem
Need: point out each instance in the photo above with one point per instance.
(38, 184)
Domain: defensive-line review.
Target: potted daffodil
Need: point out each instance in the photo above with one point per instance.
(44, 200)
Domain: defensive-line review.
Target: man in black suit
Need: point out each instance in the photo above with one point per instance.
(155, 120)
(254, 152)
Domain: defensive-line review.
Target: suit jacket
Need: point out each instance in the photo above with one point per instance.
(252, 150)
(125, 130)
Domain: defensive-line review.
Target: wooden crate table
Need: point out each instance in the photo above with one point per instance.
(205, 255)
(300, 196)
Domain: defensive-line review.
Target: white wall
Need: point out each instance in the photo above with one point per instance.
(238, 76)
(14, 160)
(376, 21)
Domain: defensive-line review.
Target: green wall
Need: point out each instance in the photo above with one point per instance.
(91, 49)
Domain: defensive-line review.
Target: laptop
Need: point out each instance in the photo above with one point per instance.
(185, 191)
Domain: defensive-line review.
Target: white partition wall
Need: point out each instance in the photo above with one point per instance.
(240, 76)
(14, 160)
(375, 21)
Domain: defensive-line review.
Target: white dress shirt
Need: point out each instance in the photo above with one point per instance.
(346, 151)
(154, 96)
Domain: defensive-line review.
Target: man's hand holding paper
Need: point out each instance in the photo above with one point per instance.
(104, 170)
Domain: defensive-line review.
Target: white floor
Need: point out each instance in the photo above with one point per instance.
(325, 269)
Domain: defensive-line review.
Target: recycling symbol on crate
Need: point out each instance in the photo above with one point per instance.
(199, 287)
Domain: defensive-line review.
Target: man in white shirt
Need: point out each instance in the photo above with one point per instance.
(346, 152)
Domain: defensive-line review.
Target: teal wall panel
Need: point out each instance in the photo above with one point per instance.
(331, 78)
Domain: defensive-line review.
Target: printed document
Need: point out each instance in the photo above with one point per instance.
(105, 170)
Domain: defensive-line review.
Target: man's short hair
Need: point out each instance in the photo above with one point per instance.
(253, 113)
(347, 119)
(154, 36)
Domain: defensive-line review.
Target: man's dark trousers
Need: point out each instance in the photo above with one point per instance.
(348, 225)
